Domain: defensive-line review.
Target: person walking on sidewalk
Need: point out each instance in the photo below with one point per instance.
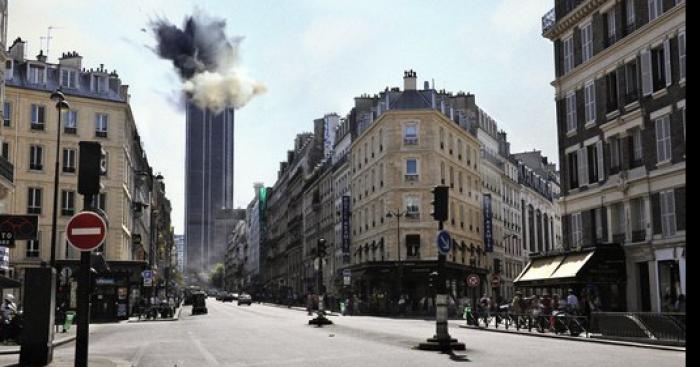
(8, 311)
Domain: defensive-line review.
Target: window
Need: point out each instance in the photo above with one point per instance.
(411, 169)
(413, 245)
(568, 45)
(589, 101)
(600, 162)
(614, 153)
(460, 182)
(618, 221)
(576, 230)
(598, 218)
(668, 213)
(459, 149)
(638, 219)
(36, 153)
(38, 117)
(101, 120)
(663, 139)
(99, 84)
(667, 63)
(452, 177)
(655, 9)
(573, 170)
(442, 173)
(611, 84)
(610, 23)
(586, 42)
(592, 152)
(6, 150)
(70, 124)
(658, 74)
(33, 247)
(36, 74)
(7, 114)
(69, 78)
(410, 134)
(681, 55)
(629, 5)
(67, 202)
(412, 206)
(637, 147)
(570, 112)
(34, 201)
(442, 138)
(69, 160)
(630, 82)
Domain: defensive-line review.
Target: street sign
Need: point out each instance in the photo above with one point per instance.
(473, 280)
(147, 278)
(7, 239)
(444, 242)
(86, 231)
(347, 280)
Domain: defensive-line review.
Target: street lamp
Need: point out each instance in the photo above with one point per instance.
(61, 105)
(398, 214)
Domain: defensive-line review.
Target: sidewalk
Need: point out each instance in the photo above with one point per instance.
(59, 339)
(581, 338)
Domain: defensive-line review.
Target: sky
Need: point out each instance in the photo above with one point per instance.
(314, 57)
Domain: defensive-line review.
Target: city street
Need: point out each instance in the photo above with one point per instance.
(262, 335)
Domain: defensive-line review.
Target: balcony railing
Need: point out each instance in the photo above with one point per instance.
(6, 169)
(548, 21)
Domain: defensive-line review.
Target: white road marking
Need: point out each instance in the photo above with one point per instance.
(211, 361)
(85, 231)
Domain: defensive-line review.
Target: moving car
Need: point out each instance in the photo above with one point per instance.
(227, 297)
(245, 299)
(199, 305)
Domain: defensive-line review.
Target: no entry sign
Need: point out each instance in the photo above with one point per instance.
(473, 280)
(86, 231)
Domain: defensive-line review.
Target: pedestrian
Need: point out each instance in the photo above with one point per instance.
(571, 302)
(309, 303)
(515, 307)
(402, 305)
(8, 311)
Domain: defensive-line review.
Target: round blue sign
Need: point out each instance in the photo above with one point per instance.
(444, 242)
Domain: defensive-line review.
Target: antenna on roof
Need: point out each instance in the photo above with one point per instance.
(48, 39)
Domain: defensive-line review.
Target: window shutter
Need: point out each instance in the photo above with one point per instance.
(646, 73)
(667, 62)
(681, 55)
(659, 141)
(656, 212)
(599, 153)
(583, 166)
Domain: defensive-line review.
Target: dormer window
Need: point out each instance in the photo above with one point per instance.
(69, 78)
(99, 84)
(9, 69)
(37, 74)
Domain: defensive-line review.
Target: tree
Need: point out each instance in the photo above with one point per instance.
(216, 276)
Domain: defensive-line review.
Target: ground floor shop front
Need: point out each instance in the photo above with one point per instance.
(377, 287)
(117, 288)
(656, 278)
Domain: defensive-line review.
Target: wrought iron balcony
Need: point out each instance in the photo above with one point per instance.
(6, 169)
(548, 21)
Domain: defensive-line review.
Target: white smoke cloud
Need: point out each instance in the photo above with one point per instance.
(217, 91)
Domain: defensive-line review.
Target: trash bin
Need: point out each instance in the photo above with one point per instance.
(70, 316)
(468, 315)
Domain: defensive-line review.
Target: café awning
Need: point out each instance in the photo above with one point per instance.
(596, 264)
(6, 282)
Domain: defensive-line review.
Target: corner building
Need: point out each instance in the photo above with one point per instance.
(404, 138)
(620, 91)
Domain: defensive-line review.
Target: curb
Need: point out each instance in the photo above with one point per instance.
(580, 339)
(328, 313)
(56, 343)
(175, 317)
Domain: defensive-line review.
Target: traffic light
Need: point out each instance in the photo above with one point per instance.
(432, 279)
(321, 247)
(89, 168)
(440, 202)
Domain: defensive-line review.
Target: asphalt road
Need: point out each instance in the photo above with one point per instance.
(262, 335)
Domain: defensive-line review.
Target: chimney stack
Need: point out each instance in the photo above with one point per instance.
(41, 57)
(409, 80)
(71, 60)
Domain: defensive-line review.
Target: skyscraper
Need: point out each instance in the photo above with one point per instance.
(208, 185)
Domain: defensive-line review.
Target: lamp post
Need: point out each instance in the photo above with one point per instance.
(398, 214)
(61, 104)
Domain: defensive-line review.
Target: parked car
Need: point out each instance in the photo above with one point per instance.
(245, 299)
(235, 295)
(199, 304)
(227, 297)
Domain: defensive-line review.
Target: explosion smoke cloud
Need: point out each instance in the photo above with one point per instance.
(206, 61)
